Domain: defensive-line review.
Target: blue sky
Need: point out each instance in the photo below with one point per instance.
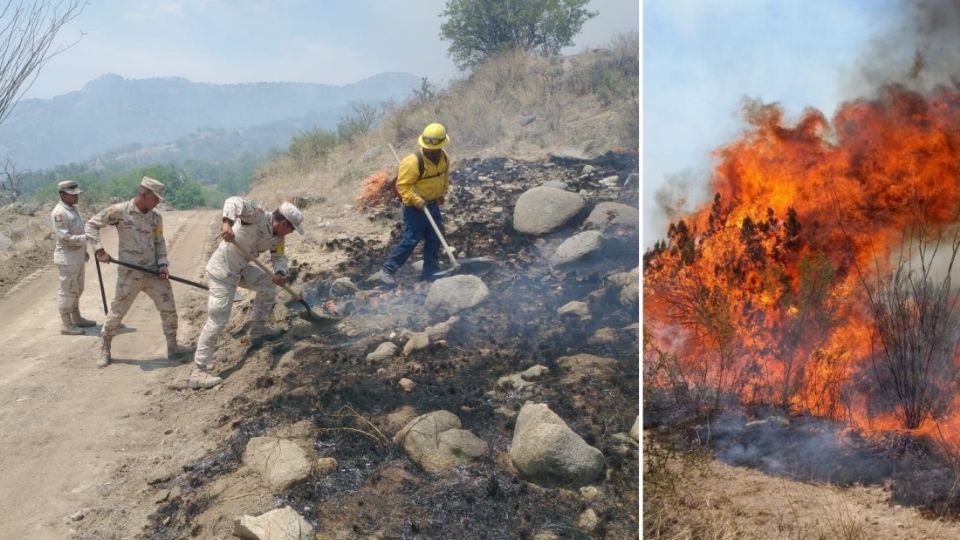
(230, 41)
(701, 57)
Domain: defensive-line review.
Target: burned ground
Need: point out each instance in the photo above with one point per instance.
(913, 468)
(376, 489)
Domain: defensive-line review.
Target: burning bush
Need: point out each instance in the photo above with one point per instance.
(377, 191)
(754, 304)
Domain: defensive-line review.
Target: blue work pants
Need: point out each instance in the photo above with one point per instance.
(416, 228)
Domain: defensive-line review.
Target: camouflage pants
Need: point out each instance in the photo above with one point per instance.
(220, 302)
(129, 285)
(71, 286)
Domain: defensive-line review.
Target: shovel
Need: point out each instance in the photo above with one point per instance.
(308, 313)
(474, 264)
(147, 270)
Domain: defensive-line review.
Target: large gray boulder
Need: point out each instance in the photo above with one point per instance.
(456, 293)
(280, 524)
(280, 463)
(629, 283)
(577, 247)
(546, 451)
(543, 209)
(610, 214)
(435, 442)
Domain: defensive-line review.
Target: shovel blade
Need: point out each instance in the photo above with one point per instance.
(472, 265)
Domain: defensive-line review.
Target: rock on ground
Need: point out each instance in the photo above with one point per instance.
(280, 463)
(342, 287)
(534, 372)
(416, 341)
(543, 209)
(577, 308)
(435, 442)
(603, 336)
(325, 466)
(407, 385)
(281, 524)
(635, 430)
(453, 294)
(577, 247)
(629, 283)
(439, 330)
(610, 214)
(588, 520)
(546, 451)
(581, 368)
(384, 351)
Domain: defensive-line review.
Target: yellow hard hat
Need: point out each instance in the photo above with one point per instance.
(433, 137)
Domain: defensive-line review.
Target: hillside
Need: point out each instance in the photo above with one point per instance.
(520, 106)
(179, 463)
(113, 114)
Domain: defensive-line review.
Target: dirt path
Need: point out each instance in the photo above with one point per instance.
(77, 438)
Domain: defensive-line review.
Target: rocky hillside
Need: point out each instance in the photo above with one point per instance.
(500, 405)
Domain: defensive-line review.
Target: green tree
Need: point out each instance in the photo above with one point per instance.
(479, 29)
(312, 146)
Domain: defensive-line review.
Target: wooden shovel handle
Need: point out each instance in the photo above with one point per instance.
(263, 267)
(453, 260)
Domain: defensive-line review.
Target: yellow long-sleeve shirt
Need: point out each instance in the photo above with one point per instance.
(432, 186)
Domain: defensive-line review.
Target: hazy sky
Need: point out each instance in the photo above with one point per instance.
(701, 57)
(229, 41)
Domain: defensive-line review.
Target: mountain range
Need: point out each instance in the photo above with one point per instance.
(174, 118)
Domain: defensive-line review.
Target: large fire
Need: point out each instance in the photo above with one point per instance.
(762, 293)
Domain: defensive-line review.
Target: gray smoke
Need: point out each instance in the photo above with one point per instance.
(920, 51)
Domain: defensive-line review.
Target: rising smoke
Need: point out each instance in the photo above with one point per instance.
(919, 51)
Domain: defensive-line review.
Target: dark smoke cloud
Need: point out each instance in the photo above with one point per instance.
(920, 51)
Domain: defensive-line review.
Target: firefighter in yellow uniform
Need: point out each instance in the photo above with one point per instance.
(70, 256)
(141, 242)
(422, 181)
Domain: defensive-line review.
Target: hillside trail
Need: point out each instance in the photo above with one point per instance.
(76, 440)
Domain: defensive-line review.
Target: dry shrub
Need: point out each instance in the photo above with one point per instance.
(670, 510)
(483, 113)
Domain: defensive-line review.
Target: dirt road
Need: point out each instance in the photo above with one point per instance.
(75, 439)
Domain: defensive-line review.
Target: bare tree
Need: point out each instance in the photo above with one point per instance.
(915, 316)
(27, 32)
(11, 180)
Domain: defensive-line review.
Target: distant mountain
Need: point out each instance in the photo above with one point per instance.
(114, 115)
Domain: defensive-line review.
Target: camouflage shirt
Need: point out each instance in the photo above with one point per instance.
(140, 234)
(253, 227)
(68, 229)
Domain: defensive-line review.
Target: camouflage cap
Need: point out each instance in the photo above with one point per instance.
(69, 187)
(293, 215)
(153, 185)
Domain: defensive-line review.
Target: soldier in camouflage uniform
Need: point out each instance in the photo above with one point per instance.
(70, 256)
(140, 231)
(255, 231)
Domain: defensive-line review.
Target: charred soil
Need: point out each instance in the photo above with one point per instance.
(319, 378)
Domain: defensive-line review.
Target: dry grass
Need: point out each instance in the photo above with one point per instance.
(518, 105)
(688, 495)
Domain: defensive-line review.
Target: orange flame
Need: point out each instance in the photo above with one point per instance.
(758, 292)
(377, 191)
